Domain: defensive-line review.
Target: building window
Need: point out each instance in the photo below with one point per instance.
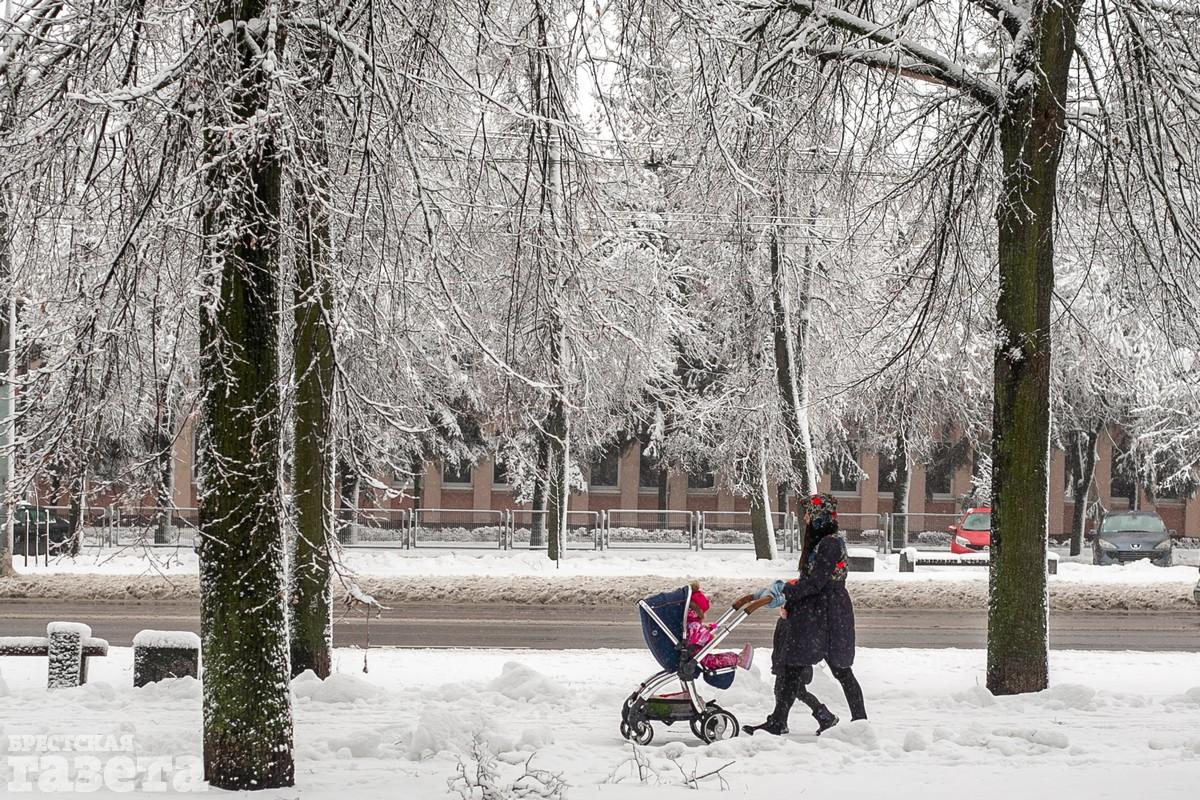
(456, 473)
(1124, 477)
(887, 473)
(648, 472)
(704, 480)
(844, 475)
(605, 469)
(939, 472)
(499, 473)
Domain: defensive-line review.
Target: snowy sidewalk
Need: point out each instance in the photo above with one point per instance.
(585, 578)
(1113, 725)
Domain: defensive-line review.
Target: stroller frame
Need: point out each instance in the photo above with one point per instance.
(708, 720)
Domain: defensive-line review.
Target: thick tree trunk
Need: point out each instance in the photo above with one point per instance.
(762, 527)
(791, 358)
(1081, 452)
(900, 495)
(313, 452)
(1031, 130)
(247, 715)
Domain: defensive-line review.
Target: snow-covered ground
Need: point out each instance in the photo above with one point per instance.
(589, 577)
(676, 563)
(1113, 725)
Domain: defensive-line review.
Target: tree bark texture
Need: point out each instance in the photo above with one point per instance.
(791, 359)
(762, 527)
(900, 494)
(1031, 132)
(247, 719)
(7, 395)
(557, 484)
(1081, 451)
(349, 482)
(537, 522)
(313, 451)
(164, 491)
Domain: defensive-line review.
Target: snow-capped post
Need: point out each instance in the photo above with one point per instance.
(243, 620)
(158, 655)
(356, 598)
(65, 652)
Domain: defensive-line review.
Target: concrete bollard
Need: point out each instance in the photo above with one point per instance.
(165, 654)
(65, 651)
(908, 559)
(860, 559)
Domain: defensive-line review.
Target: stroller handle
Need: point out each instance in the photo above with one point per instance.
(744, 600)
(749, 605)
(756, 605)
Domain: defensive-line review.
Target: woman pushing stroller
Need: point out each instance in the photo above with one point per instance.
(816, 624)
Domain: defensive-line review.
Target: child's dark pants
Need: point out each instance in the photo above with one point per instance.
(791, 684)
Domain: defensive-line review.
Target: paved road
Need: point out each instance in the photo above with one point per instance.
(569, 627)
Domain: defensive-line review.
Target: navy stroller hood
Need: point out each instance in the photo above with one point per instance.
(671, 609)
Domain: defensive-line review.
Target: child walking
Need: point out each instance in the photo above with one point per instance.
(699, 633)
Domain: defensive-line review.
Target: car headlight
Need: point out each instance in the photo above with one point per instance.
(961, 542)
(1165, 544)
(1105, 544)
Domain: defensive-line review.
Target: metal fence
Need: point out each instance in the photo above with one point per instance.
(650, 529)
(457, 528)
(583, 530)
(44, 531)
(733, 530)
(925, 530)
(373, 527)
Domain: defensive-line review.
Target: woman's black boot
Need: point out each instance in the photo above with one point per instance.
(825, 718)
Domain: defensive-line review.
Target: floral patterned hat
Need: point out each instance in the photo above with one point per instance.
(818, 503)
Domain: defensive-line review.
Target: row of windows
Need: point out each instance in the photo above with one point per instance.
(939, 474)
(602, 473)
(605, 471)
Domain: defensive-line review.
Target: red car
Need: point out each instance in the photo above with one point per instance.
(973, 531)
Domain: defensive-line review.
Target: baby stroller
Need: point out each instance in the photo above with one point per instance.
(664, 621)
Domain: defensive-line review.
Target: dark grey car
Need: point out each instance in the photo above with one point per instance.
(1131, 536)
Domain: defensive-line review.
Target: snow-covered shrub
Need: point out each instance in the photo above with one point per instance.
(482, 776)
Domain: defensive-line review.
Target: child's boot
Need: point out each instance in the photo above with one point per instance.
(825, 718)
(771, 726)
(746, 657)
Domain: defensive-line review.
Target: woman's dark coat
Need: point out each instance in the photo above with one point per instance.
(820, 617)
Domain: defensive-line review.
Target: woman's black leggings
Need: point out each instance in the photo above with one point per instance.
(791, 684)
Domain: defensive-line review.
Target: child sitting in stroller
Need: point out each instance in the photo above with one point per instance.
(700, 633)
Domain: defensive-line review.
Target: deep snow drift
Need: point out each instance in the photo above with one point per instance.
(1114, 725)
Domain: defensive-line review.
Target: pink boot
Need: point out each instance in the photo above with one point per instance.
(746, 657)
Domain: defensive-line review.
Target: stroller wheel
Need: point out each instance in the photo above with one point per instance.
(715, 725)
(643, 733)
(694, 724)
